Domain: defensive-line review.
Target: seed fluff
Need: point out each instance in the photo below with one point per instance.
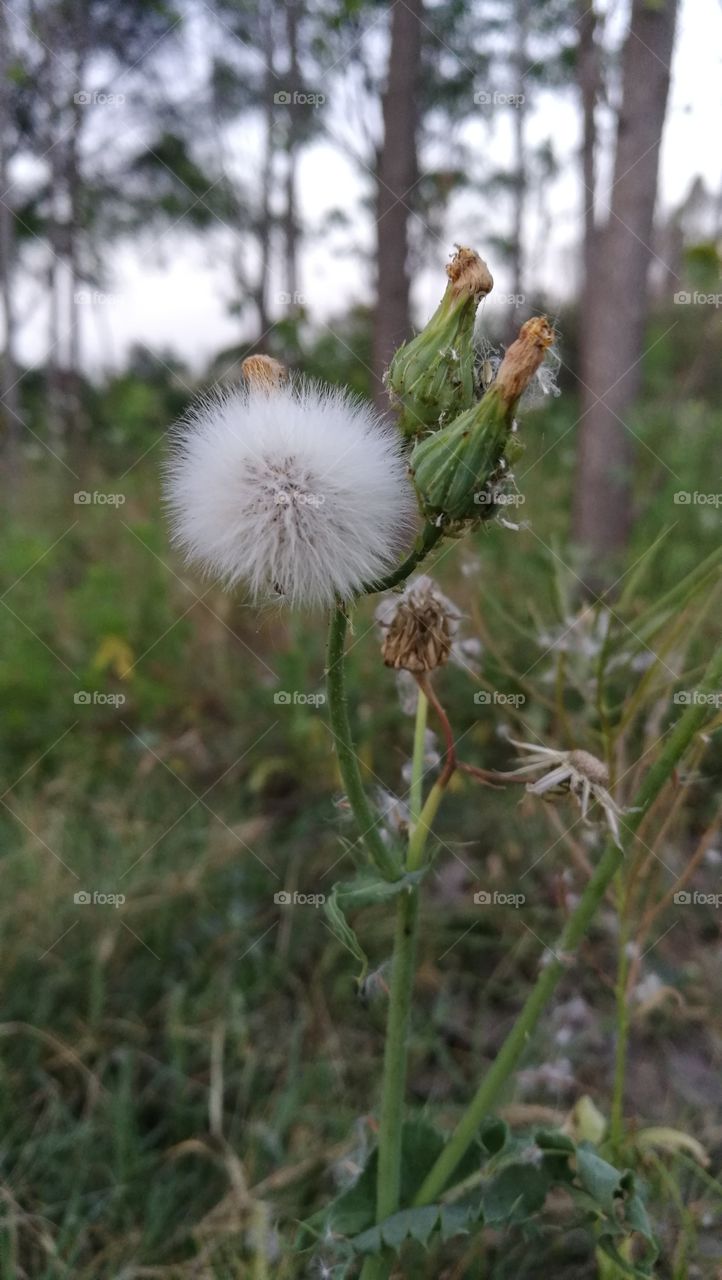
(298, 490)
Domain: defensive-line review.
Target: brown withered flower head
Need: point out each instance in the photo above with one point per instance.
(418, 627)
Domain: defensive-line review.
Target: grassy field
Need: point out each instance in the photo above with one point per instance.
(189, 1073)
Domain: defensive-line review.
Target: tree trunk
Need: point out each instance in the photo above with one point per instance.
(520, 181)
(8, 385)
(290, 215)
(269, 148)
(614, 310)
(588, 80)
(396, 175)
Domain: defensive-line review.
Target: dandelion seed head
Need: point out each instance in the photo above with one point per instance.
(295, 489)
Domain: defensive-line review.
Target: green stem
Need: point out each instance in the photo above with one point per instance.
(506, 1060)
(622, 1019)
(402, 979)
(366, 819)
(388, 1184)
(430, 535)
(417, 767)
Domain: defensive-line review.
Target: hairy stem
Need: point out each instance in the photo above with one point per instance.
(428, 538)
(506, 1060)
(366, 819)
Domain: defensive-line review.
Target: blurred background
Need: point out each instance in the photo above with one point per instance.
(186, 1067)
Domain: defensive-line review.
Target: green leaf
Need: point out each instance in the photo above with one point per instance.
(494, 1135)
(365, 890)
(416, 1224)
(603, 1182)
(554, 1140)
(515, 1193)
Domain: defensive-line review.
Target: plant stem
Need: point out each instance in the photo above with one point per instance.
(366, 819)
(388, 1184)
(622, 1017)
(428, 538)
(402, 978)
(417, 766)
(493, 1083)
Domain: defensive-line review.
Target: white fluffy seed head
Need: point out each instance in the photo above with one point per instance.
(300, 491)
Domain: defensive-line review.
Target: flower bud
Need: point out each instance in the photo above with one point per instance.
(263, 373)
(453, 467)
(431, 378)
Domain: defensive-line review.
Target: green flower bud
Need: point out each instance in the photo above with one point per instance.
(455, 468)
(431, 378)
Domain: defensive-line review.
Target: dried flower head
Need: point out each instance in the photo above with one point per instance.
(296, 489)
(418, 627)
(263, 372)
(577, 772)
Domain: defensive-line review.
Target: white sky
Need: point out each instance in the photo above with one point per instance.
(172, 290)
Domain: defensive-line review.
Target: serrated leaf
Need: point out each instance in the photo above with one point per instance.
(515, 1193)
(415, 1224)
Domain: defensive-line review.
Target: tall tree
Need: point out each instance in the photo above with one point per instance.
(8, 142)
(397, 172)
(614, 310)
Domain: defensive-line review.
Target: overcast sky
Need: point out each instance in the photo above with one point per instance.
(172, 290)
